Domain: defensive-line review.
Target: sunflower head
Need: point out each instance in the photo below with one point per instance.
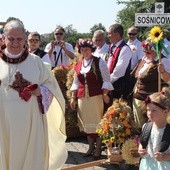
(156, 34)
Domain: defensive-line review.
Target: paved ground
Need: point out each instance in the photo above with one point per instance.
(76, 147)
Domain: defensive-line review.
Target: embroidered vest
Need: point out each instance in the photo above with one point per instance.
(115, 57)
(93, 79)
(147, 84)
(40, 53)
(144, 137)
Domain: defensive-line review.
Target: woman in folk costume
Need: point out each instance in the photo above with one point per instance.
(146, 74)
(91, 85)
(154, 145)
(32, 125)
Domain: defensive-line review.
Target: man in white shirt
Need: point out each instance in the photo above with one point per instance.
(119, 62)
(60, 52)
(102, 48)
(135, 45)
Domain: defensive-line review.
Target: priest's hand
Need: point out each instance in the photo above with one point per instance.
(36, 92)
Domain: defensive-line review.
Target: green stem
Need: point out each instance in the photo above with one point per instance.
(157, 51)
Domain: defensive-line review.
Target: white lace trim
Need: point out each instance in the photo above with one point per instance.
(47, 97)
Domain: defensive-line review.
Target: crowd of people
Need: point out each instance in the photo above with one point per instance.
(32, 104)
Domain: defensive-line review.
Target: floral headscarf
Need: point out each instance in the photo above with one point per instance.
(147, 45)
(85, 43)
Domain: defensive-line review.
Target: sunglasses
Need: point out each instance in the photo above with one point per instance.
(58, 33)
(33, 40)
(132, 34)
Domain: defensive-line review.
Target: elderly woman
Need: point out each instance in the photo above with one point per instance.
(91, 86)
(146, 74)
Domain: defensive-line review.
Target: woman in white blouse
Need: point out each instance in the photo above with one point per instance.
(91, 85)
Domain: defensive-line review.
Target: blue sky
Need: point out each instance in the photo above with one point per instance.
(44, 15)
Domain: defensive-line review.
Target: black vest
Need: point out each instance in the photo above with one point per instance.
(144, 137)
(40, 53)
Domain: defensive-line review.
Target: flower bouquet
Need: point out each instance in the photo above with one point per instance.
(115, 127)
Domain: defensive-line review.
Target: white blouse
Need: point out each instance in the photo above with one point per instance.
(104, 73)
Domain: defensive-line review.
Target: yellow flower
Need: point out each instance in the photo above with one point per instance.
(112, 139)
(105, 141)
(126, 152)
(156, 34)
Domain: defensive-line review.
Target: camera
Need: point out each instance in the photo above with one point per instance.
(57, 42)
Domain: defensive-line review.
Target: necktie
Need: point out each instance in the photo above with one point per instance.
(111, 50)
(112, 47)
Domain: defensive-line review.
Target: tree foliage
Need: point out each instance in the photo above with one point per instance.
(126, 16)
(97, 27)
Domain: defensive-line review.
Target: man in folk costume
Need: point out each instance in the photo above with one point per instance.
(32, 124)
(119, 62)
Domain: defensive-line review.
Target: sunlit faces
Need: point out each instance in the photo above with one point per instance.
(59, 34)
(86, 52)
(155, 113)
(99, 40)
(15, 40)
(151, 55)
(113, 36)
(132, 34)
(33, 42)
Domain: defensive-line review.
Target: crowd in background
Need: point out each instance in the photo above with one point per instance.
(105, 72)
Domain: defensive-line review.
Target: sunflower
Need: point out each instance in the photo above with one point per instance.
(156, 34)
(129, 152)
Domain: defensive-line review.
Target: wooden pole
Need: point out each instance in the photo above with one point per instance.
(86, 165)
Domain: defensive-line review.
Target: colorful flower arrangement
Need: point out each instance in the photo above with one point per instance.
(116, 124)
